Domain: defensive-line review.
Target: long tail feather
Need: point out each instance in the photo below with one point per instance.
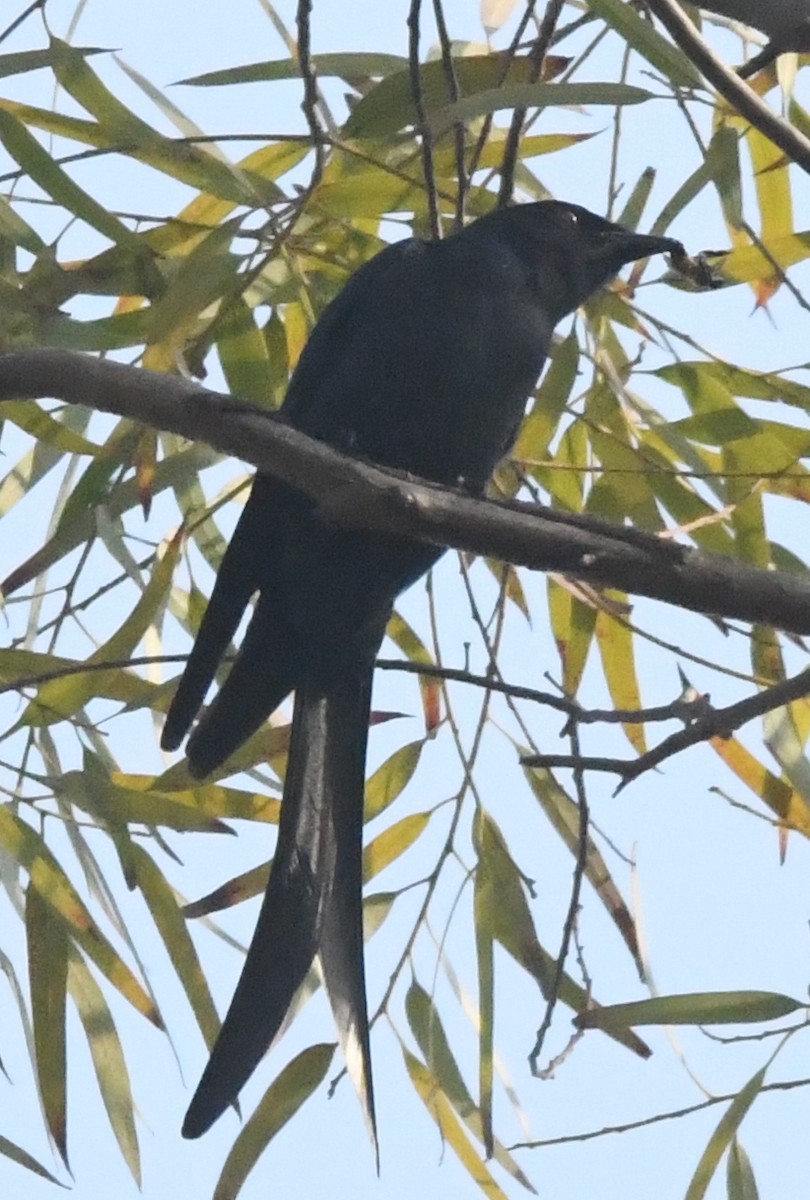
(313, 903)
(340, 946)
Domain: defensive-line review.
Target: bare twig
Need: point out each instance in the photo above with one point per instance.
(508, 58)
(573, 910)
(18, 21)
(674, 1115)
(310, 102)
(537, 55)
(422, 124)
(459, 129)
(719, 722)
(677, 710)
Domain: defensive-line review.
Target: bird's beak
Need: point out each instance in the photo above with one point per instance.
(623, 246)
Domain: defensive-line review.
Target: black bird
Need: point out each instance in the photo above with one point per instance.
(424, 363)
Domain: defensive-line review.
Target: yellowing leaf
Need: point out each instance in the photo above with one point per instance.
(48, 878)
(442, 1113)
(389, 780)
(617, 648)
(789, 805)
(393, 842)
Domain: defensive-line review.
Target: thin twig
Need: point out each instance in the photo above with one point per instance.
(459, 128)
(716, 723)
(310, 101)
(677, 710)
(590, 1134)
(422, 125)
(508, 58)
(18, 21)
(573, 909)
(537, 56)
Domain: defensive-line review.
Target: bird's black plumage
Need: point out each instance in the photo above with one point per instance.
(424, 363)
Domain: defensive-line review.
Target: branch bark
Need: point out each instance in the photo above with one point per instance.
(730, 86)
(359, 495)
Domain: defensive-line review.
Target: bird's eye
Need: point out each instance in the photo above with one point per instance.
(571, 217)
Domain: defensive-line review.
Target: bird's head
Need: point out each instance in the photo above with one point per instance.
(570, 252)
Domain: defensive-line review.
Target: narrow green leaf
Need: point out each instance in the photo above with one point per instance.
(281, 1102)
(18, 231)
(718, 427)
(27, 61)
(541, 425)
(541, 95)
(563, 814)
(740, 1181)
(512, 925)
(393, 842)
(692, 1008)
(426, 1026)
(47, 976)
(723, 160)
(346, 66)
(722, 1136)
(43, 170)
(194, 165)
(485, 902)
(389, 106)
(635, 204)
(243, 353)
(641, 35)
(22, 1158)
(109, 1060)
(171, 924)
(48, 878)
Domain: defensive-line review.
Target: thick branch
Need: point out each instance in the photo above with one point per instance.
(739, 95)
(357, 494)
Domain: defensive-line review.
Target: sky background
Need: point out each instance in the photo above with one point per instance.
(718, 910)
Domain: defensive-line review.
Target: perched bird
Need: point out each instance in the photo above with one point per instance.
(424, 363)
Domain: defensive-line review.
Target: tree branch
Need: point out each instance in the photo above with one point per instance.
(716, 722)
(356, 494)
(422, 123)
(728, 83)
